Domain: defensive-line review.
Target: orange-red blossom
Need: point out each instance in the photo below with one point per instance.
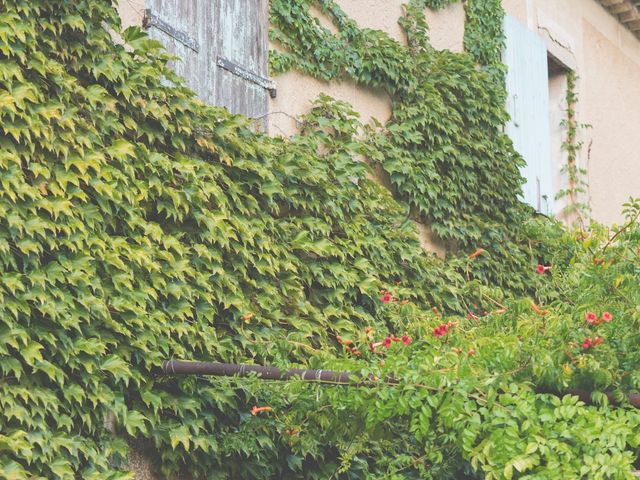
(256, 410)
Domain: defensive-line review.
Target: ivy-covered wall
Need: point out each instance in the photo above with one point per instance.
(442, 147)
(137, 224)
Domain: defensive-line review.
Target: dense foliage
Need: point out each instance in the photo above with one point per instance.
(489, 388)
(444, 144)
(138, 225)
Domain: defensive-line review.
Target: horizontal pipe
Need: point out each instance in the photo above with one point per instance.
(585, 396)
(179, 367)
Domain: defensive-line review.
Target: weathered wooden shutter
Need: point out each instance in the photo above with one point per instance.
(186, 29)
(223, 47)
(241, 81)
(528, 104)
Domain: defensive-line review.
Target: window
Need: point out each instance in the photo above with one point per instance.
(223, 49)
(528, 105)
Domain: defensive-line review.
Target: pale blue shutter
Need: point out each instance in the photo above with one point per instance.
(528, 104)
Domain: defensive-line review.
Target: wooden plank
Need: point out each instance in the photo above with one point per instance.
(242, 28)
(193, 19)
(152, 20)
(247, 75)
(223, 49)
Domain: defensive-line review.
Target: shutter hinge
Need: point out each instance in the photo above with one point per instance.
(242, 72)
(150, 19)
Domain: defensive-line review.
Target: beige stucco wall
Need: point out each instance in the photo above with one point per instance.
(297, 91)
(612, 107)
(131, 12)
(606, 57)
(580, 33)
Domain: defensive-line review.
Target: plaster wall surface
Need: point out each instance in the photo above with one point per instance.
(297, 91)
(581, 34)
(606, 57)
(446, 27)
(131, 12)
(612, 107)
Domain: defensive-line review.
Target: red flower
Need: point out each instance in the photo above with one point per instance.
(386, 297)
(538, 310)
(471, 316)
(373, 346)
(387, 342)
(542, 269)
(441, 330)
(606, 317)
(471, 352)
(592, 342)
(591, 318)
(477, 253)
(256, 410)
(406, 340)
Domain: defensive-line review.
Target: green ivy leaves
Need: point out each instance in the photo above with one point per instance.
(137, 225)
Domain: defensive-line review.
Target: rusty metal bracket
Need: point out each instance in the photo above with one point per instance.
(245, 74)
(150, 19)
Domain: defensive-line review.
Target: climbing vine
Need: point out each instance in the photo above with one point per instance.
(576, 189)
(443, 151)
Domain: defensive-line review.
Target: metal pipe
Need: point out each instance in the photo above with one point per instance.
(585, 396)
(179, 367)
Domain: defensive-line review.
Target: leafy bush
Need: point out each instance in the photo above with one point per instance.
(503, 393)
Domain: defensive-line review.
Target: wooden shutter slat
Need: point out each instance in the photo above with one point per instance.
(193, 19)
(223, 49)
(242, 40)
